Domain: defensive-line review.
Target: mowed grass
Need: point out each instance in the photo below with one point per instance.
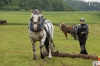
(55, 17)
(16, 49)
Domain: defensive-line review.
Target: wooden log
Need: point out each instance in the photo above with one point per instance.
(72, 55)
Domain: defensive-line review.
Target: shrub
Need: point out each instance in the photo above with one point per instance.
(11, 8)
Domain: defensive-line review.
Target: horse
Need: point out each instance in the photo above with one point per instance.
(74, 31)
(41, 30)
(3, 22)
(68, 29)
(63, 28)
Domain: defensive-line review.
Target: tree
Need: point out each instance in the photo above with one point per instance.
(47, 5)
(84, 6)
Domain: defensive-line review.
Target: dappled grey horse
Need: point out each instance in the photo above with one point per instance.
(41, 30)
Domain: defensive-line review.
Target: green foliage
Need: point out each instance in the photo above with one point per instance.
(49, 5)
(84, 6)
(46, 5)
(11, 8)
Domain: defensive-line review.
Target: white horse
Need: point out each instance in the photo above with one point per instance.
(41, 30)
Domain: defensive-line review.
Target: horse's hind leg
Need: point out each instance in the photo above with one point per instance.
(50, 48)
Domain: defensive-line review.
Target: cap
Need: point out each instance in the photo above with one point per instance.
(82, 19)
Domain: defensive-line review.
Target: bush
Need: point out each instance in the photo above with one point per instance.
(10, 8)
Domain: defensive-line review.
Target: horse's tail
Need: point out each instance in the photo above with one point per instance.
(46, 43)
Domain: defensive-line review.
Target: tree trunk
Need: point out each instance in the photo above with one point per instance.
(72, 55)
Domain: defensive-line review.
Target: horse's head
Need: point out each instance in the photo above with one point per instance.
(36, 16)
(74, 27)
(62, 25)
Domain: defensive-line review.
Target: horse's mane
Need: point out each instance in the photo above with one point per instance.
(36, 11)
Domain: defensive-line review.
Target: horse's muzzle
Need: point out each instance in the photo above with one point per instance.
(35, 26)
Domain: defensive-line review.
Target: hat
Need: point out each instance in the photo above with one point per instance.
(82, 19)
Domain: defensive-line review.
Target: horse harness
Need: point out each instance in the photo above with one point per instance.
(40, 25)
(40, 28)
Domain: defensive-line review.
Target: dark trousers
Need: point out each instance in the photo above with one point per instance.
(82, 42)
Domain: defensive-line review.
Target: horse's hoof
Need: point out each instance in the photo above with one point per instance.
(42, 56)
(34, 58)
(50, 57)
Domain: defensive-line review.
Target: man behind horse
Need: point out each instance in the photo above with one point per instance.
(82, 33)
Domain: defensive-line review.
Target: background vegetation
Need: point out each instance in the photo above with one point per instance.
(49, 5)
(16, 48)
(84, 6)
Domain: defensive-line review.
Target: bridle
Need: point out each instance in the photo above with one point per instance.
(39, 23)
(38, 19)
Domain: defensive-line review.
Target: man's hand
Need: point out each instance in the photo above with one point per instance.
(82, 32)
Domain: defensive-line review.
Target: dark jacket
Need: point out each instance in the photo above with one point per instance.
(82, 28)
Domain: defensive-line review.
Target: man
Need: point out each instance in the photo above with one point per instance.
(82, 33)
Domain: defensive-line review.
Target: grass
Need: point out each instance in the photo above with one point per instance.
(55, 17)
(16, 49)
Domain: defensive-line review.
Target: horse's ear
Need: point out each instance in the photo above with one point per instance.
(40, 11)
(65, 23)
(32, 10)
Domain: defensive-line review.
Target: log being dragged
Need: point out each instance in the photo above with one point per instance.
(72, 55)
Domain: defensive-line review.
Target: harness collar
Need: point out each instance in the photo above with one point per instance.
(40, 27)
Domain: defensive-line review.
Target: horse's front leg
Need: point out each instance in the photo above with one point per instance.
(42, 47)
(65, 32)
(34, 49)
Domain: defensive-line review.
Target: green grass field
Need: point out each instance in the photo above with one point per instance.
(16, 49)
(55, 17)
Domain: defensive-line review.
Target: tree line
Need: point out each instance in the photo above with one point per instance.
(84, 6)
(49, 5)
(46, 5)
